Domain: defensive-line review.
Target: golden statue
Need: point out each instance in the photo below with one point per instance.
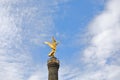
(53, 46)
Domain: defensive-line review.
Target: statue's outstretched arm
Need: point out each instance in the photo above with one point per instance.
(49, 44)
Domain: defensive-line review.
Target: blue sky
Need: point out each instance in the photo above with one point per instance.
(87, 31)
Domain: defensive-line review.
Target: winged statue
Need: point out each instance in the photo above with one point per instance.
(53, 46)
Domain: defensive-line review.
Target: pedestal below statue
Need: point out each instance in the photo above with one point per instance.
(53, 66)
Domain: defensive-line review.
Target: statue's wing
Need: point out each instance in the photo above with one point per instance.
(53, 40)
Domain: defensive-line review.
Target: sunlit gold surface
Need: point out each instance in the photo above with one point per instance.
(53, 46)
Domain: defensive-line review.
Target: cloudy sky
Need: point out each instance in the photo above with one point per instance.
(88, 32)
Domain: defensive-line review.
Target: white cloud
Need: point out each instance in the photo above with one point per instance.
(107, 73)
(21, 24)
(99, 56)
(105, 30)
(100, 59)
(68, 73)
(13, 60)
(40, 73)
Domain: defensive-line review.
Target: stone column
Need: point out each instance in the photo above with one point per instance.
(53, 66)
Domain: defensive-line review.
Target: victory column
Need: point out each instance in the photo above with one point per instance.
(53, 62)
